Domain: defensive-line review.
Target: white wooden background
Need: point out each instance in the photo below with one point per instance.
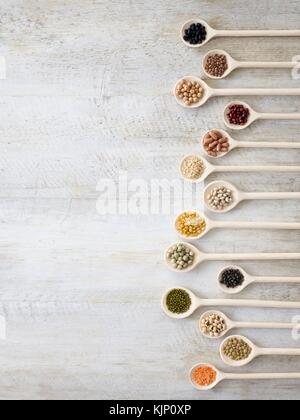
(87, 94)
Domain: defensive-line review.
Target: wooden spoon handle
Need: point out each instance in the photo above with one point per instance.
(276, 279)
(272, 196)
(257, 33)
(267, 64)
(267, 325)
(257, 168)
(244, 303)
(254, 376)
(278, 116)
(257, 225)
(268, 145)
(253, 257)
(256, 92)
(279, 352)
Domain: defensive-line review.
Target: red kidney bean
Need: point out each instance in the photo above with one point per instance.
(238, 114)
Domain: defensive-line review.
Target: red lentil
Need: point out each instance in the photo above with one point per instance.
(204, 376)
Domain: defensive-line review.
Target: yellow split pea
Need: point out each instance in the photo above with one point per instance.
(190, 224)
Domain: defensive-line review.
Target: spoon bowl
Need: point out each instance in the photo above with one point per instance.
(210, 32)
(232, 143)
(231, 64)
(247, 281)
(200, 217)
(208, 169)
(229, 324)
(207, 92)
(219, 377)
(195, 301)
(239, 363)
(198, 257)
(253, 116)
(237, 196)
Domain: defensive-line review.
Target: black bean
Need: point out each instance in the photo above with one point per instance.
(195, 34)
(232, 278)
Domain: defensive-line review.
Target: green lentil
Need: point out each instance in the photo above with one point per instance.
(178, 301)
(237, 349)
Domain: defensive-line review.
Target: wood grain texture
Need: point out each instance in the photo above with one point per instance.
(87, 94)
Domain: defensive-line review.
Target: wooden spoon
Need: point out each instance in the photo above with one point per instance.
(248, 280)
(200, 257)
(221, 376)
(256, 352)
(233, 64)
(197, 302)
(255, 116)
(238, 196)
(230, 325)
(209, 92)
(209, 168)
(234, 144)
(214, 33)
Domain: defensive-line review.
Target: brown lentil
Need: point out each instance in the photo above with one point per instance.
(189, 92)
(215, 143)
(192, 167)
(190, 224)
(237, 349)
(216, 65)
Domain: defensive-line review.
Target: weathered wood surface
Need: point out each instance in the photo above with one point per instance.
(87, 94)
